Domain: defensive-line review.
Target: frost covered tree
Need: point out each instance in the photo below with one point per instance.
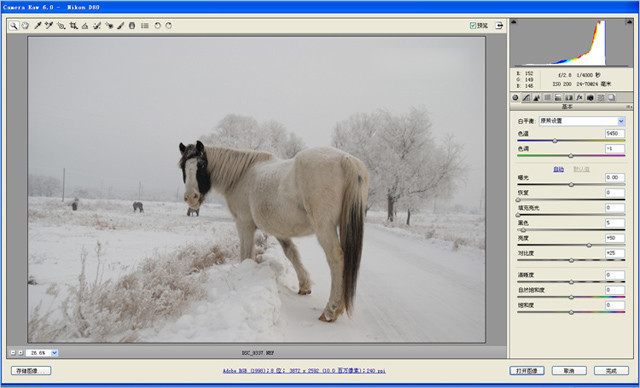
(359, 135)
(292, 145)
(46, 186)
(406, 163)
(281, 142)
(244, 132)
(437, 175)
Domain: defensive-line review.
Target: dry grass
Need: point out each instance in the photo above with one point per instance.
(111, 311)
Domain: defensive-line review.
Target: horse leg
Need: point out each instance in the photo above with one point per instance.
(246, 231)
(328, 239)
(291, 251)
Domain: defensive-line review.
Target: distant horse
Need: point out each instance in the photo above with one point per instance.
(74, 204)
(318, 192)
(138, 206)
(190, 211)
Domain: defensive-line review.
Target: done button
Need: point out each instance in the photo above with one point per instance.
(611, 370)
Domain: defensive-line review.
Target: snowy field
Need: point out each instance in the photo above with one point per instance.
(104, 273)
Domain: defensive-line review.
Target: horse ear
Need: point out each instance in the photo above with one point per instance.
(182, 148)
(199, 145)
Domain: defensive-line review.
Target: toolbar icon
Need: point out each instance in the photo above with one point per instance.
(120, 26)
(14, 25)
(109, 25)
(61, 26)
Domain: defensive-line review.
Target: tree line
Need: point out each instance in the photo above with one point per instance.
(408, 165)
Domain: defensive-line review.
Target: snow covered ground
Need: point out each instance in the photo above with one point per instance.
(159, 267)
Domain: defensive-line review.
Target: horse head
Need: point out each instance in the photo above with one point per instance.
(195, 173)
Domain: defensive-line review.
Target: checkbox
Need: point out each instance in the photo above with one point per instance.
(472, 25)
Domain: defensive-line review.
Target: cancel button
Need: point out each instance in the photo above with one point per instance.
(569, 370)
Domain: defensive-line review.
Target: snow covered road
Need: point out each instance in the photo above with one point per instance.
(409, 290)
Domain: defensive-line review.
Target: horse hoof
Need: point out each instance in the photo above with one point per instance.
(324, 319)
(307, 292)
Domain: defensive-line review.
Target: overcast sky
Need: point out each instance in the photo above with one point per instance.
(113, 110)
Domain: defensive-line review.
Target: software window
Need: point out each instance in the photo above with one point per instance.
(313, 193)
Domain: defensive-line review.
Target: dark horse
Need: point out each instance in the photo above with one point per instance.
(191, 211)
(138, 206)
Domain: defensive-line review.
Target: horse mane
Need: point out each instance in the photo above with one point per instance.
(228, 165)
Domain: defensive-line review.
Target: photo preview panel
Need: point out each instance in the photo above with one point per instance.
(319, 193)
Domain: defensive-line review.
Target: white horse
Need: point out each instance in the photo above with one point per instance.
(318, 192)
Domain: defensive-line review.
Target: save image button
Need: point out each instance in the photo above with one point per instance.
(30, 370)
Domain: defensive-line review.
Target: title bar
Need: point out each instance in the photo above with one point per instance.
(372, 7)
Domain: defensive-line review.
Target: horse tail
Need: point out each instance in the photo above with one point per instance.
(352, 224)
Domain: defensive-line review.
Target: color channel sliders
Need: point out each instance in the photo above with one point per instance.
(613, 193)
(613, 135)
(614, 293)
